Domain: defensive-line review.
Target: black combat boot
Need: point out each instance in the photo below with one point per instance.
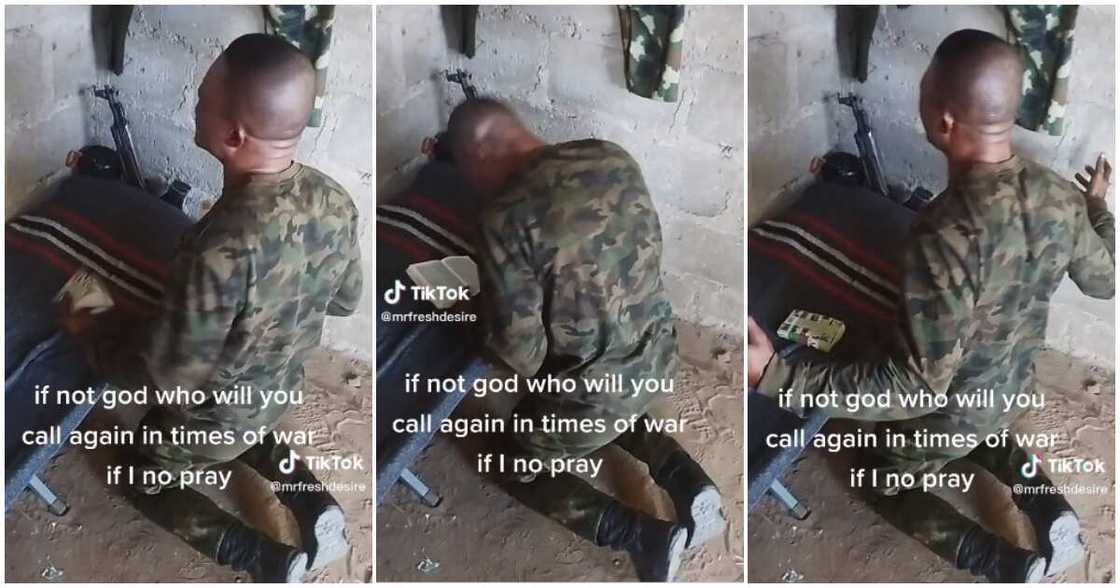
(322, 525)
(655, 546)
(695, 496)
(245, 549)
(1056, 527)
(984, 554)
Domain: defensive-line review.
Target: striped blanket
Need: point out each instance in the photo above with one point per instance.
(833, 252)
(123, 235)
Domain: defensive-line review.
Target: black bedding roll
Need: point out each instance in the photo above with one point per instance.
(434, 218)
(124, 235)
(833, 252)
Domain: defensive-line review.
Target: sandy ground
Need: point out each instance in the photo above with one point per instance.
(104, 539)
(480, 533)
(844, 541)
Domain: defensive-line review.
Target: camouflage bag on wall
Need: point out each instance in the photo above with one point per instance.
(651, 44)
(1044, 34)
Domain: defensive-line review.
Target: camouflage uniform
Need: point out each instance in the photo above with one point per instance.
(1044, 35)
(651, 44)
(981, 265)
(309, 28)
(570, 256)
(251, 284)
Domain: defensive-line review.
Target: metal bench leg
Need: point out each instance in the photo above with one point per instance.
(54, 504)
(426, 494)
(784, 496)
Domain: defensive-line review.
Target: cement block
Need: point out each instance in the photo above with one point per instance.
(788, 20)
(390, 85)
(32, 156)
(351, 66)
(716, 112)
(818, 69)
(351, 119)
(197, 27)
(28, 91)
(593, 24)
(154, 80)
(690, 247)
(770, 83)
(400, 132)
(778, 158)
(713, 36)
(589, 76)
(73, 65)
(421, 36)
(697, 179)
(507, 62)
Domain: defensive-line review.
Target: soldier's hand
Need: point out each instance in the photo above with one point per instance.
(1099, 177)
(76, 324)
(759, 352)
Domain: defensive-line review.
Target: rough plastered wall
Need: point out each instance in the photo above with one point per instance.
(792, 76)
(48, 58)
(793, 52)
(167, 53)
(561, 68)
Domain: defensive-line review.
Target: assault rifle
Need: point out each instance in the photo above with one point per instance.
(865, 141)
(123, 138)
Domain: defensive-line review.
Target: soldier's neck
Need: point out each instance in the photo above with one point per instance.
(237, 174)
(960, 164)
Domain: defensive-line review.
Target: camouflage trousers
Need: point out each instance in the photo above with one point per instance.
(930, 519)
(565, 497)
(183, 511)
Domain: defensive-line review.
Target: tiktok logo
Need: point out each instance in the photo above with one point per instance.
(1030, 469)
(393, 296)
(288, 464)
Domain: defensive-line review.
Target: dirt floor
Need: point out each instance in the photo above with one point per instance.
(844, 541)
(104, 539)
(480, 533)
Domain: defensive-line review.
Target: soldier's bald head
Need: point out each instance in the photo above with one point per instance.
(268, 85)
(488, 143)
(977, 78)
(479, 122)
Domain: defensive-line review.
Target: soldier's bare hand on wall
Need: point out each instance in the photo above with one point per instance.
(1099, 178)
(759, 351)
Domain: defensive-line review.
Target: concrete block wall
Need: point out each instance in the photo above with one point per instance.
(49, 58)
(795, 73)
(167, 53)
(562, 70)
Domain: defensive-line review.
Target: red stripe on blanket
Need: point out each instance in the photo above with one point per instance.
(415, 249)
(62, 262)
(849, 247)
(823, 279)
(439, 213)
(106, 241)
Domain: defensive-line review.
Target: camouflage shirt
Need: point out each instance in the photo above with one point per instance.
(251, 283)
(981, 265)
(570, 261)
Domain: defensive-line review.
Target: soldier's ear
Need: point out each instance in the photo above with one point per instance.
(946, 123)
(235, 137)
